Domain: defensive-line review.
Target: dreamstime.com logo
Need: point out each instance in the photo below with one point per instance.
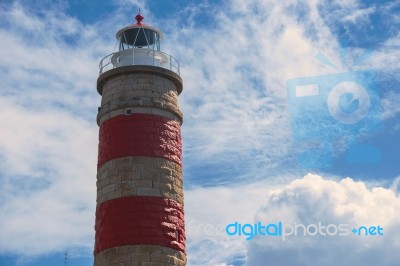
(283, 231)
(327, 108)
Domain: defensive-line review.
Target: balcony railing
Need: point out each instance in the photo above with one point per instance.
(139, 56)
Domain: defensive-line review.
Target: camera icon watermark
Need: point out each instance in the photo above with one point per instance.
(333, 113)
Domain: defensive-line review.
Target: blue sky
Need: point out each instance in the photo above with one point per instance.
(246, 156)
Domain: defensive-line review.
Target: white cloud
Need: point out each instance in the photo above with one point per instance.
(234, 99)
(313, 199)
(47, 174)
(390, 107)
(47, 145)
(360, 15)
(208, 211)
(308, 200)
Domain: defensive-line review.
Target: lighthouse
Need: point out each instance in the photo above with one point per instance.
(139, 211)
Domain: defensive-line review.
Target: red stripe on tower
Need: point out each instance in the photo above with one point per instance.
(140, 135)
(140, 220)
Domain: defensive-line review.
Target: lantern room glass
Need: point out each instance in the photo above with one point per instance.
(139, 38)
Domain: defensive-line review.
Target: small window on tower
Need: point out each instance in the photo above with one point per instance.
(128, 111)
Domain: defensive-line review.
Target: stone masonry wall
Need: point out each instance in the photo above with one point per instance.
(153, 94)
(140, 211)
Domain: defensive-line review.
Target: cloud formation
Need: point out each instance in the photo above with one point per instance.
(47, 144)
(235, 71)
(314, 199)
(308, 200)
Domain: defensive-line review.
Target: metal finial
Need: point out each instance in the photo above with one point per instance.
(139, 18)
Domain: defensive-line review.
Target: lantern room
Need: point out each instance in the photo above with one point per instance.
(139, 35)
(139, 44)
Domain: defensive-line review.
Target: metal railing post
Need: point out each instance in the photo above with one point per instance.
(154, 59)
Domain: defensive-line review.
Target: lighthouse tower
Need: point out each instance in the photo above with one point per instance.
(139, 212)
